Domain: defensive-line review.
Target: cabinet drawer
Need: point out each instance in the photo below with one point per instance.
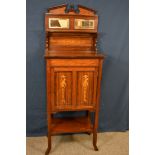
(73, 62)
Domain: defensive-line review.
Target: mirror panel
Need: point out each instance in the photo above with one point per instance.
(84, 24)
(62, 23)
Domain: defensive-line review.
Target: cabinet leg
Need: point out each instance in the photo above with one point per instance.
(95, 131)
(95, 140)
(49, 145)
(89, 120)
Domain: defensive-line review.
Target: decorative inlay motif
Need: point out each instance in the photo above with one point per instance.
(85, 87)
(63, 87)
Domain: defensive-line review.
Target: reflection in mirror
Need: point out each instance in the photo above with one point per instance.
(84, 24)
(58, 23)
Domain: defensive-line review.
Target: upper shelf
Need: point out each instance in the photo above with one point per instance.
(70, 18)
(73, 55)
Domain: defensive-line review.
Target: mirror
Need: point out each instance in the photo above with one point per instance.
(84, 24)
(58, 23)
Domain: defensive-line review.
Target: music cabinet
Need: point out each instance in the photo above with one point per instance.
(73, 69)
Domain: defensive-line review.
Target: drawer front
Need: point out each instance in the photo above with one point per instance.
(73, 62)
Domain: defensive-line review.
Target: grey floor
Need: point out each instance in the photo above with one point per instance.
(109, 143)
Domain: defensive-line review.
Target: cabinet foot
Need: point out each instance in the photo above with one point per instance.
(47, 151)
(95, 147)
(49, 145)
(95, 141)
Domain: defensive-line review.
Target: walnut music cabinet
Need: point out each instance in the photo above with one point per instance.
(73, 69)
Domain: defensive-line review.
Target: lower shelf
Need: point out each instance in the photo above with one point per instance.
(71, 125)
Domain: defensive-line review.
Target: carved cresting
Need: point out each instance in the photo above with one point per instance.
(85, 87)
(63, 87)
(72, 7)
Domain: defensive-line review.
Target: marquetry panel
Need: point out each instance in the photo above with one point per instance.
(63, 89)
(86, 95)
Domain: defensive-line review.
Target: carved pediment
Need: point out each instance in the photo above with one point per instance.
(71, 10)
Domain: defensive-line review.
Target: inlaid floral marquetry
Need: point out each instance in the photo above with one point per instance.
(63, 87)
(85, 87)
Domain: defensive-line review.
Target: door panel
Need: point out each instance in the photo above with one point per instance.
(73, 88)
(86, 83)
(63, 89)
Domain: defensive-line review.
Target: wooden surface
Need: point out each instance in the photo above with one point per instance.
(60, 10)
(71, 125)
(73, 74)
(73, 55)
(71, 42)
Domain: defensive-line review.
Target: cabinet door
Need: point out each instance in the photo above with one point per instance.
(87, 87)
(62, 89)
(74, 88)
